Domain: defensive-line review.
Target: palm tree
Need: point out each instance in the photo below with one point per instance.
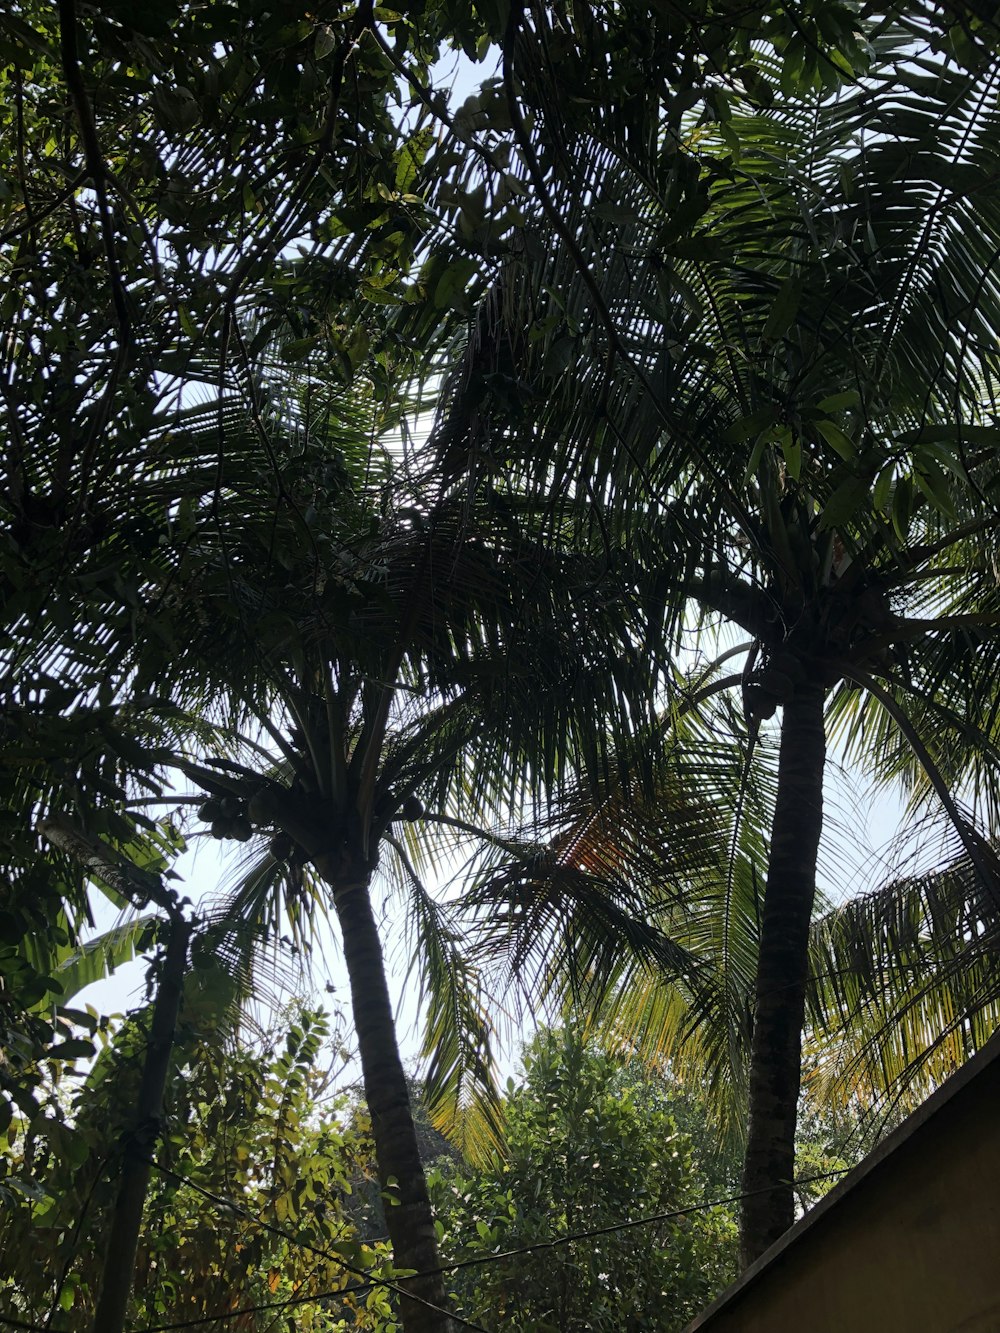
(781, 391)
(380, 650)
(904, 985)
(124, 269)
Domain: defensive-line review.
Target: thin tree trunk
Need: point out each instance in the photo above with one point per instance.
(126, 1224)
(782, 973)
(408, 1213)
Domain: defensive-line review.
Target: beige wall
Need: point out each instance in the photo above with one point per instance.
(909, 1243)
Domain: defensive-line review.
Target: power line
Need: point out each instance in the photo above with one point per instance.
(567, 1239)
(635, 1222)
(263, 1309)
(480, 1260)
(220, 1200)
(370, 1281)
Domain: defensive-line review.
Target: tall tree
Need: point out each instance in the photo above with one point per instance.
(355, 649)
(593, 1144)
(760, 338)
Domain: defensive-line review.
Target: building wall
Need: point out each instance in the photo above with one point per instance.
(908, 1243)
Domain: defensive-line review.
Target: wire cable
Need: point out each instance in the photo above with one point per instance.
(371, 1281)
(481, 1260)
(635, 1222)
(368, 1281)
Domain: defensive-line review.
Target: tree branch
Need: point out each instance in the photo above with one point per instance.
(751, 608)
(971, 841)
(102, 862)
(94, 160)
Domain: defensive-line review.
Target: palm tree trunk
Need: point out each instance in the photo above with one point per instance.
(126, 1222)
(782, 972)
(408, 1213)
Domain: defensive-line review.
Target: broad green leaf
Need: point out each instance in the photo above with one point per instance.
(902, 507)
(324, 41)
(846, 501)
(836, 439)
(744, 428)
(79, 967)
(411, 159)
(451, 287)
(883, 487)
(783, 310)
(840, 402)
(756, 454)
(933, 484)
(74, 1049)
(791, 450)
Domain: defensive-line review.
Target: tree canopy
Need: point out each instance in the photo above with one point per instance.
(376, 466)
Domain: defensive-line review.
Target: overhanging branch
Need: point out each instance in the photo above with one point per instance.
(970, 839)
(104, 863)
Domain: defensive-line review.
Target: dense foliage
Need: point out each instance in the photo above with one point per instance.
(246, 1209)
(698, 305)
(591, 1143)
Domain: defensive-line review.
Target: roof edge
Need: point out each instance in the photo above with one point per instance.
(892, 1142)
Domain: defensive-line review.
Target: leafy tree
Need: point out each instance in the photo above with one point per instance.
(245, 1210)
(591, 1142)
